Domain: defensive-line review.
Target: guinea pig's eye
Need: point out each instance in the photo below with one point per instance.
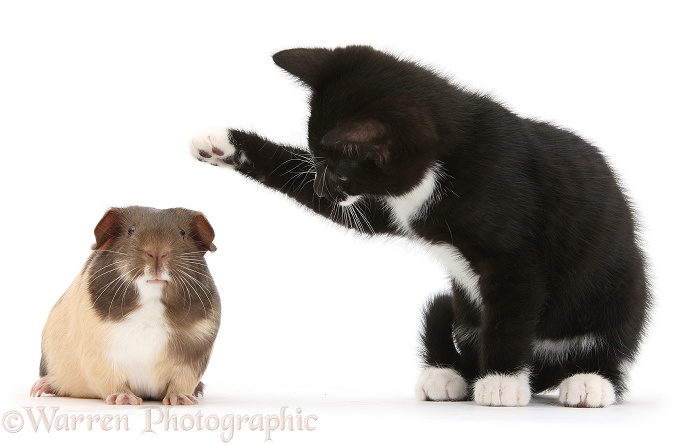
(130, 231)
(183, 233)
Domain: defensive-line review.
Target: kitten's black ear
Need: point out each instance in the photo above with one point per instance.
(306, 64)
(368, 135)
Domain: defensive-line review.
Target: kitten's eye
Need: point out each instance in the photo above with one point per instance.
(183, 233)
(130, 231)
(341, 177)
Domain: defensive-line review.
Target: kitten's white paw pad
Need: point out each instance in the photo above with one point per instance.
(587, 391)
(503, 390)
(180, 399)
(441, 384)
(215, 148)
(123, 399)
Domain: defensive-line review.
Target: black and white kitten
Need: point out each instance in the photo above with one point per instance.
(548, 283)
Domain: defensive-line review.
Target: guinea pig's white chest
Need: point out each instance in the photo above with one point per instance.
(137, 342)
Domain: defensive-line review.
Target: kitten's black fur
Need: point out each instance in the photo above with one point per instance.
(533, 209)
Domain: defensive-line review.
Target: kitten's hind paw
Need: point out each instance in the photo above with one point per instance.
(587, 391)
(215, 147)
(441, 384)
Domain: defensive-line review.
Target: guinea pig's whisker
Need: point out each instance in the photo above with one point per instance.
(124, 295)
(203, 287)
(195, 270)
(112, 251)
(189, 289)
(112, 266)
(122, 279)
(197, 281)
(197, 295)
(193, 261)
(194, 255)
(126, 278)
(106, 286)
(185, 291)
(200, 272)
(196, 252)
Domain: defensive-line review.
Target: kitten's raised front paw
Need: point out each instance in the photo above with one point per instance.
(41, 387)
(175, 398)
(503, 390)
(215, 147)
(441, 384)
(587, 391)
(123, 399)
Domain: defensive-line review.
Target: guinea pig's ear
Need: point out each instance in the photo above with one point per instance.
(202, 232)
(107, 229)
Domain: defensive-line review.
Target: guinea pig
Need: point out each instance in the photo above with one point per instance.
(140, 319)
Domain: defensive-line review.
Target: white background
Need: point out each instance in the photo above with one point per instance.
(98, 101)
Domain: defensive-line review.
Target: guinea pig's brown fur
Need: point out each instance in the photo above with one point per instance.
(140, 320)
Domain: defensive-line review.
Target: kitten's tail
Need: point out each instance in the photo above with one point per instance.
(437, 345)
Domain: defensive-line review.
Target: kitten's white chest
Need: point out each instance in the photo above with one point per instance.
(138, 341)
(411, 207)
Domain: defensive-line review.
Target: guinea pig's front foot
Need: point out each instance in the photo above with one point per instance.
(199, 389)
(175, 398)
(41, 387)
(123, 399)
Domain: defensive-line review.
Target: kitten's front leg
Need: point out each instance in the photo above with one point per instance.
(286, 169)
(510, 302)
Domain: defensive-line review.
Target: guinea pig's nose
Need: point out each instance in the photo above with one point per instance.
(158, 255)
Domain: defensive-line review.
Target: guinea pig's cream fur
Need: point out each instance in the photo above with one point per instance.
(140, 320)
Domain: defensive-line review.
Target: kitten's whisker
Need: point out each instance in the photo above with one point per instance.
(304, 174)
(363, 216)
(292, 159)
